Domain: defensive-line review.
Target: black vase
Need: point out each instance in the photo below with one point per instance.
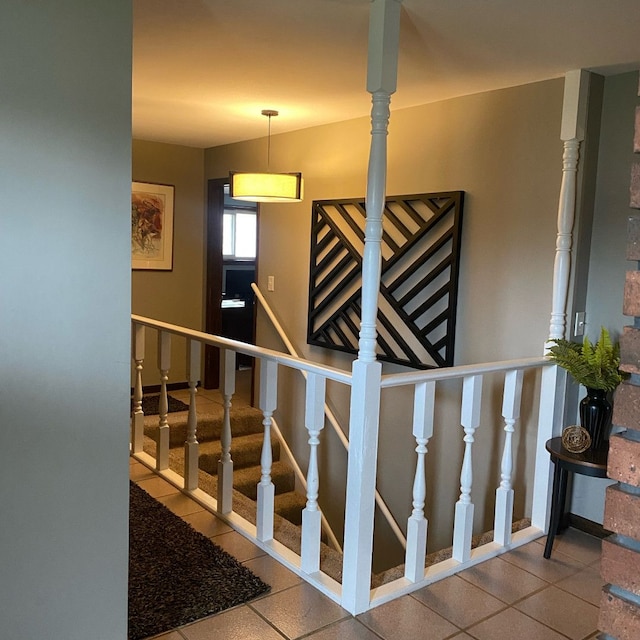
(595, 417)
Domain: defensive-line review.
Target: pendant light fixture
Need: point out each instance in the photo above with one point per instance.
(266, 187)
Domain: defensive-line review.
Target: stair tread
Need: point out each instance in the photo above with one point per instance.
(246, 480)
(246, 451)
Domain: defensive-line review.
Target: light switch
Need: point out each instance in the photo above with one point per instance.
(271, 283)
(578, 329)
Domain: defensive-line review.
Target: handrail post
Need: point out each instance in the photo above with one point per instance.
(384, 34)
(137, 351)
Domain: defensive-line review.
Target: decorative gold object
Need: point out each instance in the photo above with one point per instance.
(576, 439)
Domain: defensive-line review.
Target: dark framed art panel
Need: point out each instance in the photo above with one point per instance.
(419, 280)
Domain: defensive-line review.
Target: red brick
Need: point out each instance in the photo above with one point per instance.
(634, 188)
(624, 460)
(626, 406)
(630, 349)
(633, 238)
(631, 302)
(622, 512)
(619, 618)
(620, 566)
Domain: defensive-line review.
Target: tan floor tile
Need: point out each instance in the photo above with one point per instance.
(462, 636)
(138, 471)
(586, 584)
(562, 611)
(445, 597)
(299, 611)
(206, 523)
(173, 635)
(503, 580)
(238, 546)
(273, 573)
(180, 504)
(576, 544)
(240, 623)
(157, 487)
(510, 624)
(529, 557)
(406, 618)
(349, 629)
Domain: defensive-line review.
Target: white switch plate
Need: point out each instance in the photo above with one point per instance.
(271, 283)
(578, 327)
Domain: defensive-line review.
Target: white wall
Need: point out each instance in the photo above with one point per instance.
(65, 71)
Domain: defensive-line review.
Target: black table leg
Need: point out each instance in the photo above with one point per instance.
(560, 477)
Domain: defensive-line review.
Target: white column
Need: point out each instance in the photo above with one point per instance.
(137, 423)
(191, 446)
(423, 408)
(470, 420)
(574, 113)
(311, 514)
(504, 493)
(164, 364)
(384, 32)
(225, 464)
(266, 489)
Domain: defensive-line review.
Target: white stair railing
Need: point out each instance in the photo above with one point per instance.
(307, 562)
(331, 418)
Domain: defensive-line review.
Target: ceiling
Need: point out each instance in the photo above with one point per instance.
(204, 69)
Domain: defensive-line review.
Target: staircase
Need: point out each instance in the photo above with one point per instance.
(246, 449)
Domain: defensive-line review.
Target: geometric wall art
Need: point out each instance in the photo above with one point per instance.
(419, 281)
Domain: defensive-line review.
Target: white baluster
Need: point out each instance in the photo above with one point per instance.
(191, 446)
(266, 490)
(504, 493)
(164, 364)
(137, 425)
(470, 419)
(423, 408)
(225, 464)
(311, 514)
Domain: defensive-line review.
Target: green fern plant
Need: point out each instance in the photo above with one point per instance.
(593, 365)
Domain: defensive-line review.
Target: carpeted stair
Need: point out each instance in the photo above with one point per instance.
(246, 449)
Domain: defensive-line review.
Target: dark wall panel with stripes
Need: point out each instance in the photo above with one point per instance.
(419, 288)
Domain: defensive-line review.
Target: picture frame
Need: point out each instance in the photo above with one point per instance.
(152, 226)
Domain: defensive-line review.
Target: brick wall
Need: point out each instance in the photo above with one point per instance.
(620, 563)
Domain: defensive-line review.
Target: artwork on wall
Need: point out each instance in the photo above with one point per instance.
(419, 282)
(151, 226)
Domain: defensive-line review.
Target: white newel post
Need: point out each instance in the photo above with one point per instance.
(384, 31)
(191, 446)
(311, 514)
(423, 408)
(225, 464)
(137, 425)
(164, 364)
(266, 489)
(574, 111)
(504, 493)
(470, 420)
(550, 418)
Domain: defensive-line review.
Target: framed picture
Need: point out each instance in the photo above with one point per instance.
(151, 226)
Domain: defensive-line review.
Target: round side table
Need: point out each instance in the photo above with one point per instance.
(589, 463)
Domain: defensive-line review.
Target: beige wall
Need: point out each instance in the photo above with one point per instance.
(174, 296)
(503, 149)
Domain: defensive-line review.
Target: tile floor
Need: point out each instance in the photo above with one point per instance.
(519, 595)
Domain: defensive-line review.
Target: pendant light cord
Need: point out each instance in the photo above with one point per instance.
(269, 113)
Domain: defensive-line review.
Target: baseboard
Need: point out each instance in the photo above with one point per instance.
(588, 526)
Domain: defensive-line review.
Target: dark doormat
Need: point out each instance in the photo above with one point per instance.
(177, 575)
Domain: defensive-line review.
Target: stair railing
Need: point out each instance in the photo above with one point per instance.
(333, 421)
(355, 592)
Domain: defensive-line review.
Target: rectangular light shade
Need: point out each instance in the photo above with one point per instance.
(266, 187)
